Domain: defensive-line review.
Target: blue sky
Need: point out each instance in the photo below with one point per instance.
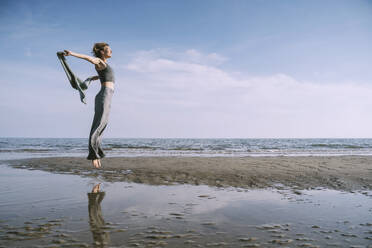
(191, 68)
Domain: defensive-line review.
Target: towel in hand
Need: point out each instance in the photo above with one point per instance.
(75, 82)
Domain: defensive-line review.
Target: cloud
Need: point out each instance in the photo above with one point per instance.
(162, 93)
(197, 57)
(167, 58)
(273, 105)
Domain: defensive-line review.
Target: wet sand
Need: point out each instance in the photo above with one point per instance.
(339, 172)
(41, 209)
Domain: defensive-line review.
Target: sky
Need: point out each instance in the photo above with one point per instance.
(191, 69)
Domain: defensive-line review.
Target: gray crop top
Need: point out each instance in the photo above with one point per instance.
(106, 75)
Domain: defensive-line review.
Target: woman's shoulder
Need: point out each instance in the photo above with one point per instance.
(101, 66)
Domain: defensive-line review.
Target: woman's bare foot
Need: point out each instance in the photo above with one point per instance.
(96, 164)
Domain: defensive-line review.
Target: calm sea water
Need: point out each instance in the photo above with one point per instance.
(11, 148)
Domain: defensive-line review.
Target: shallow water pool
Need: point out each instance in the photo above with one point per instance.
(42, 209)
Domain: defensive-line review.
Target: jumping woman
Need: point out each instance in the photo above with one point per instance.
(102, 52)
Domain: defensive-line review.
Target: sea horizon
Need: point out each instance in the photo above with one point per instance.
(17, 147)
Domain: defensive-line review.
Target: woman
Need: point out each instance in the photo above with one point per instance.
(102, 52)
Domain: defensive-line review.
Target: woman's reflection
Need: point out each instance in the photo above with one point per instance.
(96, 221)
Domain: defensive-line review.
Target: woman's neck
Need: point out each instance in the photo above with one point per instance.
(103, 58)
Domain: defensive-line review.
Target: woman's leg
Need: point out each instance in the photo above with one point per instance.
(100, 120)
(100, 151)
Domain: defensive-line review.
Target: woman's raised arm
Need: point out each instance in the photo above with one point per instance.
(93, 60)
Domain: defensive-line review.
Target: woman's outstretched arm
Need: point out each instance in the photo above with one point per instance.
(93, 60)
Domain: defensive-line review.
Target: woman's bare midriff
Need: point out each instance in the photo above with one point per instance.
(108, 84)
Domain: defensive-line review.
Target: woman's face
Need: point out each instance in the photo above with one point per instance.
(107, 52)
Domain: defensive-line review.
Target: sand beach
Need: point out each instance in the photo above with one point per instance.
(334, 172)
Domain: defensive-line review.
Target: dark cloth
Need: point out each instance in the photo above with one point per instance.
(75, 82)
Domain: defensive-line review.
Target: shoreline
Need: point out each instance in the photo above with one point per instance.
(348, 173)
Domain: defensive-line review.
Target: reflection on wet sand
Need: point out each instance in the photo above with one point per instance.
(181, 216)
(96, 221)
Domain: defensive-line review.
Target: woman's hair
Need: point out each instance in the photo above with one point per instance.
(97, 48)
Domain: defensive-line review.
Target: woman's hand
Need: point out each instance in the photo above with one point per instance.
(67, 52)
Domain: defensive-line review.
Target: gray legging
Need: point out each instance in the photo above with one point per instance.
(101, 114)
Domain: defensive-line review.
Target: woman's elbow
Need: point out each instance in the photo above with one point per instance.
(95, 61)
(91, 60)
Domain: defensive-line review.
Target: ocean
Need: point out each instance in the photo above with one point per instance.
(14, 148)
